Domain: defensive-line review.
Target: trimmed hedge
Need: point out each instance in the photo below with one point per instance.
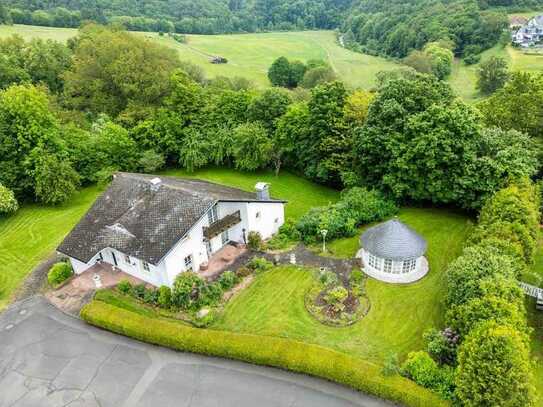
(262, 350)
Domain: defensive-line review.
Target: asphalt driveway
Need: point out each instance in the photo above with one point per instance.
(50, 359)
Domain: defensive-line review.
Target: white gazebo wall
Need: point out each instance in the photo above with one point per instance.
(376, 269)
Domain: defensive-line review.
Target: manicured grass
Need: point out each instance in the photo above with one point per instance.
(30, 235)
(250, 55)
(300, 193)
(274, 304)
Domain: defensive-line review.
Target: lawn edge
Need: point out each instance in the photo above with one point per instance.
(277, 352)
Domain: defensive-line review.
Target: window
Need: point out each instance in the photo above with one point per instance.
(188, 262)
(276, 220)
(127, 259)
(146, 266)
(258, 214)
(224, 237)
(375, 262)
(409, 265)
(388, 266)
(212, 215)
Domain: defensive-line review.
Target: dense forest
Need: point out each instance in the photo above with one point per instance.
(184, 16)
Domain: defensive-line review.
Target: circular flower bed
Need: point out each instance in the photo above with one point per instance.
(331, 303)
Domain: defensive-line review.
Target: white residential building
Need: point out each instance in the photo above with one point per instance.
(155, 228)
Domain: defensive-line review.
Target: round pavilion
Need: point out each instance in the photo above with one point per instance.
(393, 252)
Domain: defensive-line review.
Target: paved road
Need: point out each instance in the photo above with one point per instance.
(50, 359)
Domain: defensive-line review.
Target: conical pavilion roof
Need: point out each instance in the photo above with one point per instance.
(393, 240)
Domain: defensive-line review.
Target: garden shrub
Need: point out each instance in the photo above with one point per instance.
(186, 290)
(494, 368)
(476, 263)
(243, 271)
(210, 294)
(442, 345)
(357, 206)
(391, 365)
(336, 297)
(124, 286)
(59, 273)
(151, 296)
(328, 278)
(263, 350)
(8, 202)
(423, 370)
(254, 241)
(259, 264)
(463, 318)
(139, 291)
(227, 280)
(285, 236)
(164, 296)
(356, 277)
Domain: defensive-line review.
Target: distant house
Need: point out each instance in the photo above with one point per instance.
(529, 34)
(155, 228)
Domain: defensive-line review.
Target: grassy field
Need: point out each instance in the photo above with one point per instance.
(35, 231)
(300, 193)
(274, 303)
(250, 55)
(464, 77)
(32, 234)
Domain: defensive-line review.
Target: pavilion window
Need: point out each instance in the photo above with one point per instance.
(388, 266)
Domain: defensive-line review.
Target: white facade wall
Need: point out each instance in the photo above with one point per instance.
(265, 218)
(270, 218)
(155, 275)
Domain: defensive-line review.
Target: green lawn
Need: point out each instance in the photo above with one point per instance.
(300, 193)
(250, 55)
(32, 234)
(35, 231)
(274, 303)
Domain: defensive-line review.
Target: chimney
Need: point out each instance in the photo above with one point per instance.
(262, 191)
(155, 184)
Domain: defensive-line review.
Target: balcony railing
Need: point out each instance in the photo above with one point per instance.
(223, 224)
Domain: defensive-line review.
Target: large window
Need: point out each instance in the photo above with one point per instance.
(212, 215)
(146, 266)
(409, 265)
(388, 266)
(375, 262)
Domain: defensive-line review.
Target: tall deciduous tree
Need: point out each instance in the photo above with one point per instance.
(26, 123)
(252, 147)
(330, 142)
(518, 105)
(112, 68)
(492, 75)
(268, 107)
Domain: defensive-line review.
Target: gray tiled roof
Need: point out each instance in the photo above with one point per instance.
(142, 221)
(393, 240)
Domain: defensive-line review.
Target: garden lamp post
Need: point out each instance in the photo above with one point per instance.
(323, 233)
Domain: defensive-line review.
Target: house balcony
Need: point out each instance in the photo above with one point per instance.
(222, 225)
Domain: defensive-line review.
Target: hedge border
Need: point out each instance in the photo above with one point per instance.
(278, 352)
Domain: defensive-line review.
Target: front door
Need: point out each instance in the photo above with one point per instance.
(114, 258)
(208, 248)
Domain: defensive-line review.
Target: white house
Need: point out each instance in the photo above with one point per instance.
(155, 228)
(529, 34)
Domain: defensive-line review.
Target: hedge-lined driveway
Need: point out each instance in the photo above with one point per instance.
(50, 359)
